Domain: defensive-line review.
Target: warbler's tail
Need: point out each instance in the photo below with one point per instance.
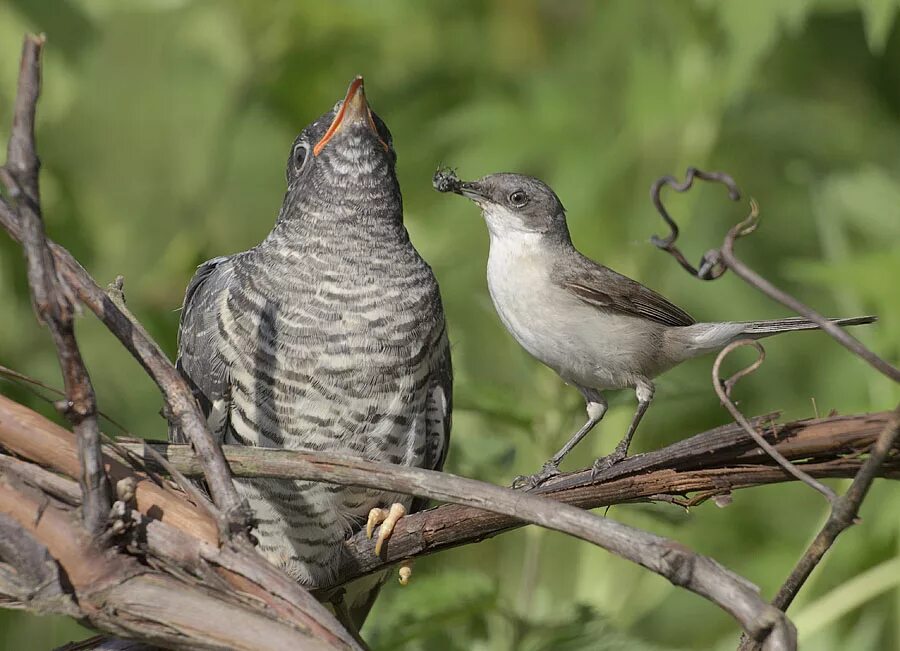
(701, 338)
(759, 329)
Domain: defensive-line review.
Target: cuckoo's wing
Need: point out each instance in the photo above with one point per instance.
(439, 409)
(603, 288)
(438, 415)
(199, 355)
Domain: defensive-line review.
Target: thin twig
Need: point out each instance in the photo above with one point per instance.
(723, 390)
(28, 383)
(51, 299)
(747, 274)
(716, 261)
(710, 266)
(182, 407)
(190, 489)
(843, 513)
(844, 508)
(233, 514)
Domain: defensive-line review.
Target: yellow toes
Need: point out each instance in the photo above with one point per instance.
(405, 572)
(376, 517)
(396, 512)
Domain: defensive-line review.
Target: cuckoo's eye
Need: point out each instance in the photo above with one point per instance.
(301, 152)
(518, 198)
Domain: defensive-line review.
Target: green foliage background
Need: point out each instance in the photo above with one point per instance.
(164, 128)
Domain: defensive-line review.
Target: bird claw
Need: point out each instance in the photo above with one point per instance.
(527, 482)
(607, 462)
(405, 572)
(387, 519)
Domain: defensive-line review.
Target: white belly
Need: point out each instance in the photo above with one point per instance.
(586, 346)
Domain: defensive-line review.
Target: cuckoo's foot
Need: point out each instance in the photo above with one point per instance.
(550, 469)
(387, 518)
(405, 572)
(604, 463)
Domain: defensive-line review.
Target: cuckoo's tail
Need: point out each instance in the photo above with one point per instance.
(759, 329)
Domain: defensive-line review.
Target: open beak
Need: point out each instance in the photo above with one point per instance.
(354, 110)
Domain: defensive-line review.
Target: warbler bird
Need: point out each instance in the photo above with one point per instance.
(598, 329)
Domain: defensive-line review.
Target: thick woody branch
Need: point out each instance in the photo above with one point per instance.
(29, 576)
(118, 594)
(175, 537)
(50, 265)
(708, 464)
(684, 568)
(52, 300)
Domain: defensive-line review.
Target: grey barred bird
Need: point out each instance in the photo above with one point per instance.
(598, 329)
(328, 336)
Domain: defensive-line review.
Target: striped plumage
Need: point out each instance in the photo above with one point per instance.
(327, 336)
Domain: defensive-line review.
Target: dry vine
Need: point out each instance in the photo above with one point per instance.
(844, 508)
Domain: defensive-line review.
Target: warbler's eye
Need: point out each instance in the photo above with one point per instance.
(300, 155)
(518, 198)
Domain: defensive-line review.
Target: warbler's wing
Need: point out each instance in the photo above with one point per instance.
(605, 289)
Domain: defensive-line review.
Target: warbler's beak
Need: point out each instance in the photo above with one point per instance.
(472, 190)
(445, 180)
(354, 110)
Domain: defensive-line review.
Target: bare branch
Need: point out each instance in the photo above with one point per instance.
(709, 464)
(711, 266)
(715, 262)
(843, 513)
(119, 594)
(837, 333)
(723, 390)
(49, 262)
(667, 558)
(51, 299)
(21, 155)
(844, 508)
(29, 577)
(180, 537)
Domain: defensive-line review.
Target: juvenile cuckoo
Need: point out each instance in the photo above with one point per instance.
(327, 336)
(596, 328)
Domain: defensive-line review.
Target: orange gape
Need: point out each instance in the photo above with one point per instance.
(355, 86)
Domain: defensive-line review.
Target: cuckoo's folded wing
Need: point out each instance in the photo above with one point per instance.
(199, 357)
(605, 289)
(439, 408)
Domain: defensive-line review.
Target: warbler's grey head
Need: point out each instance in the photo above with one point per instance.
(511, 203)
(344, 159)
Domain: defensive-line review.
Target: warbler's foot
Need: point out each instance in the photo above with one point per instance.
(528, 482)
(607, 462)
(387, 518)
